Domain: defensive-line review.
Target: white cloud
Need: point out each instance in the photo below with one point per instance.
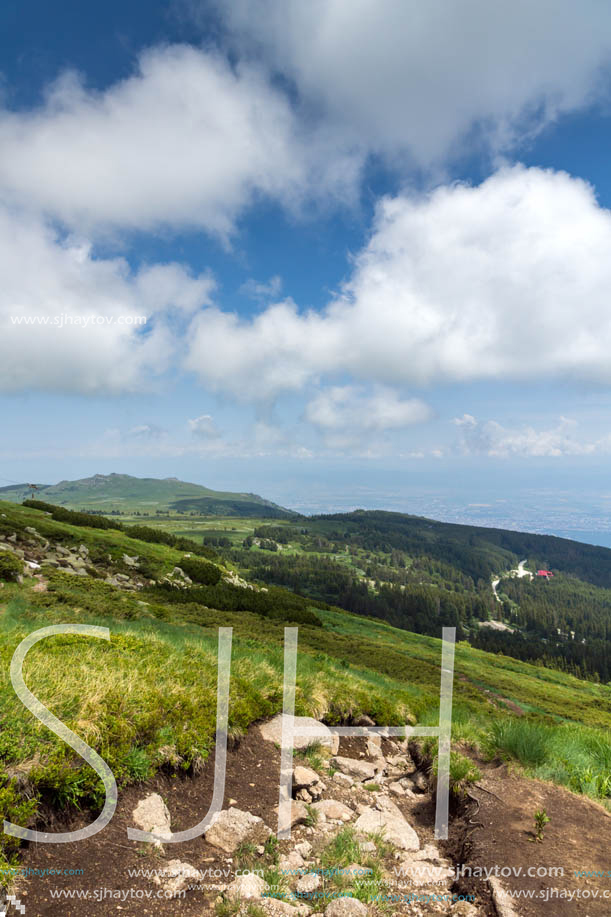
(146, 431)
(395, 76)
(204, 427)
(491, 438)
(263, 291)
(347, 416)
(57, 284)
(186, 140)
(506, 280)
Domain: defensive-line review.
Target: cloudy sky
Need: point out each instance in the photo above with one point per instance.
(342, 252)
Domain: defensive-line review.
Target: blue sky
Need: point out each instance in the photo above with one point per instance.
(370, 241)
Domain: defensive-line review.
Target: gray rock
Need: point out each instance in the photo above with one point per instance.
(308, 883)
(231, 827)
(246, 887)
(361, 770)
(151, 814)
(389, 819)
(330, 808)
(299, 813)
(290, 862)
(346, 907)
(272, 732)
(304, 777)
(396, 789)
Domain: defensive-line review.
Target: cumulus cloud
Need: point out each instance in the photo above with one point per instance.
(72, 322)
(506, 280)
(491, 438)
(397, 77)
(346, 415)
(187, 140)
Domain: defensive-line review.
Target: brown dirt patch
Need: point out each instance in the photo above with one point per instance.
(253, 769)
(497, 830)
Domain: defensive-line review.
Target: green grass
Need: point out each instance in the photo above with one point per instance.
(147, 697)
(344, 850)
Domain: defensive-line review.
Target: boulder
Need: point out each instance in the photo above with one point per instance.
(389, 819)
(291, 862)
(304, 848)
(361, 770)
(246, 887)
(272, 732)
(330, 808)
(374, 747)
(231, 827)
(343, 779)
(151, 814)
(304, 777)
(299, 813)
(308, 883)
(418, 782)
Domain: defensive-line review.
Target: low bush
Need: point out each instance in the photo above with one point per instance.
(10, 567)
(73, 517)
(200, 572)
(158, 536)
(277, 604)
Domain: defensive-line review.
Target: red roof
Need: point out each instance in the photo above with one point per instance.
(544, 573)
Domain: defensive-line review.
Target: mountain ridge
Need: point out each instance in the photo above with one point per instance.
(117, 492)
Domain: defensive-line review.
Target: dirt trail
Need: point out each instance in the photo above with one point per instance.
(577, 839)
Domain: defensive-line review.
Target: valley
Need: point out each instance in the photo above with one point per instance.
(145, 700)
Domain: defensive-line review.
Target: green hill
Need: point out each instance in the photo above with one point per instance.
(110, 493)
(145, 699)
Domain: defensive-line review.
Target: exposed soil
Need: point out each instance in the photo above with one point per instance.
(497, 829)
(252, 776)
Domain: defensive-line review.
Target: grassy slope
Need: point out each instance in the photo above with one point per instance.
(148, 696)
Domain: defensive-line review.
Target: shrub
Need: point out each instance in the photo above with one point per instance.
(277, 604)
(157, 536)
(73, 517)
(10, 567)
(200, 571)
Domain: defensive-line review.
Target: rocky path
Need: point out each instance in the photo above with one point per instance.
(361, 844)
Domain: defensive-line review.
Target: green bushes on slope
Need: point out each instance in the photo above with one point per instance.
(10, 567)
(200, 572)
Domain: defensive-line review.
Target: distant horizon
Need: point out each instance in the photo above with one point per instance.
(441, 508)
